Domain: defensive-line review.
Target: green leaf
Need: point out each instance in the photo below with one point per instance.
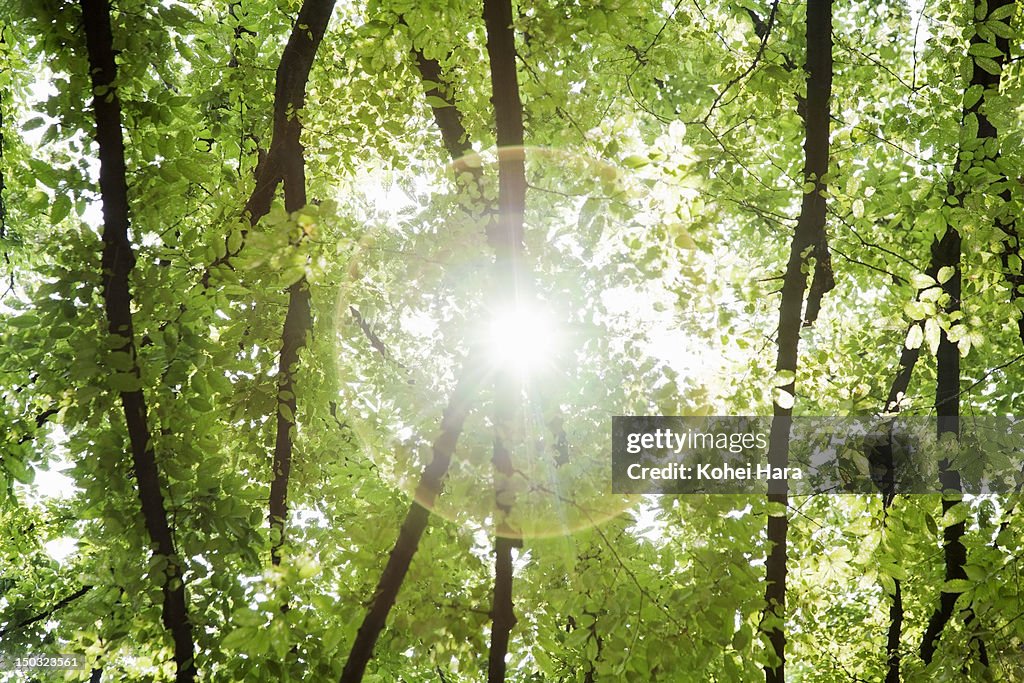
(124, 382)
(985, 50)
(932, 334)
(917, 310)
(970, 130)
(955, 515)
(957, 586)
(990, 66)
(234, 241)
(784, 399)
(975, 573)
(19, 469)
(972, 95)
(437, 103)
(24, 321)
(742, 638)
(239, 638)
(922, 281)
(914, 337)
(858, 208)
(1004, 12)
(784, 378)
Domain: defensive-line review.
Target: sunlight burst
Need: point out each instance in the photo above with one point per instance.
(524, 337)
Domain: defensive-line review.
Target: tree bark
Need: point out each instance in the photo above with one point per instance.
(947, 251)
(283, 161)
(808, 239)
(947, 407)
(286, 163)
(415, 523)
(884, 454)
(506, 238)
(118, 260)
(892, 642)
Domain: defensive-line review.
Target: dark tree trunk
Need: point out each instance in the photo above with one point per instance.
(892, 643)
(506, 238)
(118, 260)
(884, 455)
(946, 251)
(415, 523)
(947, 406)
(286, 163)
(809, 236)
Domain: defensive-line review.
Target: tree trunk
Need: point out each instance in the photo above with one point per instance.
(946, 251)
(286, 163)
(808, 237)
(506, 238)
(118, 260)
(415, 523)
(897, 391)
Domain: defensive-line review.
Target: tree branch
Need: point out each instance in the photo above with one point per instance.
(49, 612)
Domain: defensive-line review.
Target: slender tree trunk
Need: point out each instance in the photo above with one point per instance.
(897, 391)
(284, 159)
(947, 251)
(415, 523)
(507, 241)
(286, 163)
(118, 260)
(809, 237)
(892, 643)
(947, 406)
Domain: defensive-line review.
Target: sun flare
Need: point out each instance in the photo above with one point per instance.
(523, 337)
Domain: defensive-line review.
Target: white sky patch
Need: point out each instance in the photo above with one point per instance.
(53, 483)
(60, 549)
(50, 482)
(419, 324)
(666, 337)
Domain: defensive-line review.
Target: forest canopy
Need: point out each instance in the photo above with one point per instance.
(316, 316)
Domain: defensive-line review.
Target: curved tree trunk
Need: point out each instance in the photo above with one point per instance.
(289, 167)
(118, 260)
(412, 528)
(808, 240)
